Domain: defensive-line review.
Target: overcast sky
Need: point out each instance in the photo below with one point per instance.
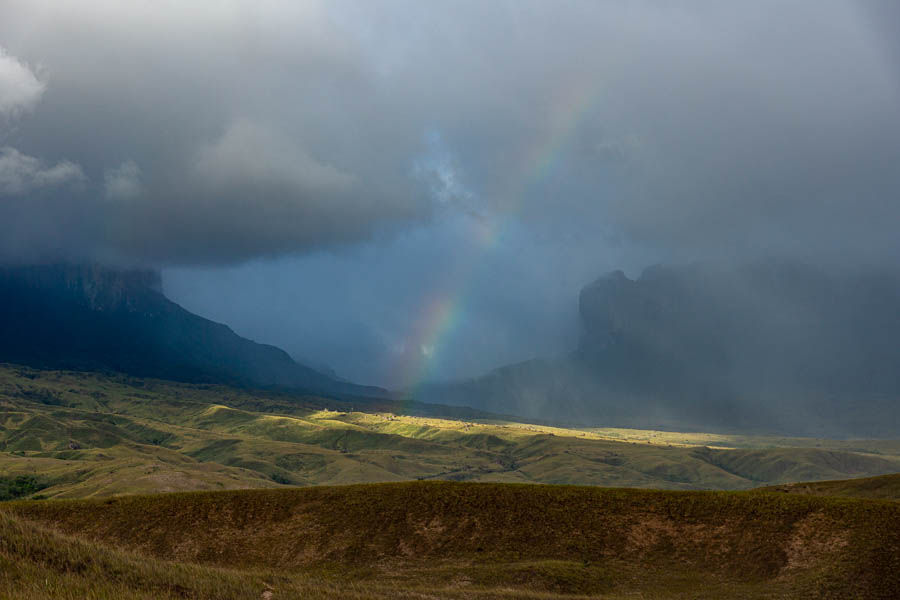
(406, 190)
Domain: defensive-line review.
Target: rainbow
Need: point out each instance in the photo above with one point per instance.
(444, 308)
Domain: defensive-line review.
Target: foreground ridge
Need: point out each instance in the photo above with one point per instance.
(467, 538)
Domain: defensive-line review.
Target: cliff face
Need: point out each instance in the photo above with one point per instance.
(92, 286)
(768, 346)
(763, 330)
(91, 317)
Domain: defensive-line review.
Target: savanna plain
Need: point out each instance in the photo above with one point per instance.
(125, 487)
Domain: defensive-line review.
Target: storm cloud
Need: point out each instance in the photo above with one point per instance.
(259, 129)
(602, 134)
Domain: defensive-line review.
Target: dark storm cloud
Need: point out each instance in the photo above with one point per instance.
(205, 134)
(217, 133)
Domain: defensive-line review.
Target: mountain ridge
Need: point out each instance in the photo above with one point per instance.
(91, 317)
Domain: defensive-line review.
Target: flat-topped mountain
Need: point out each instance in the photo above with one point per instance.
(100, 318)
(766, 328)
(772, 345)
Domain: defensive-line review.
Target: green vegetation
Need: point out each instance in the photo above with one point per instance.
(12, 488)
(451, 540)
(100, 435)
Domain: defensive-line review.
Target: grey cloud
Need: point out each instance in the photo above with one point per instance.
(123, 182)
(250, 155)
(280, 127)
(21, 174)
(20, 88)
(251, 126)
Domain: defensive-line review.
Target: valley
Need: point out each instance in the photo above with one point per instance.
(85, 434)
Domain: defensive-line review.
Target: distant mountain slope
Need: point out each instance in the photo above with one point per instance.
(91, 317)
(771, 346)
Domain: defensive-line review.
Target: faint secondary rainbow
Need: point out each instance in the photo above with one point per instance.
(444, 308)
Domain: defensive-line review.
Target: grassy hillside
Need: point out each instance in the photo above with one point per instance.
(454, 540)
(884, 487)
(82, 435)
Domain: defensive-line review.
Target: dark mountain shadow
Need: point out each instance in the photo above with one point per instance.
(98, 318)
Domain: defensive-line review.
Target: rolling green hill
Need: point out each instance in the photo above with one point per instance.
(451, 540)
(82, 435)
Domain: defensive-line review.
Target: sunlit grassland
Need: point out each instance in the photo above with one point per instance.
(99, 435)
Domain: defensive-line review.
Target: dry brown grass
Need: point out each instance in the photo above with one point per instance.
(498, 540)
(884, 487)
